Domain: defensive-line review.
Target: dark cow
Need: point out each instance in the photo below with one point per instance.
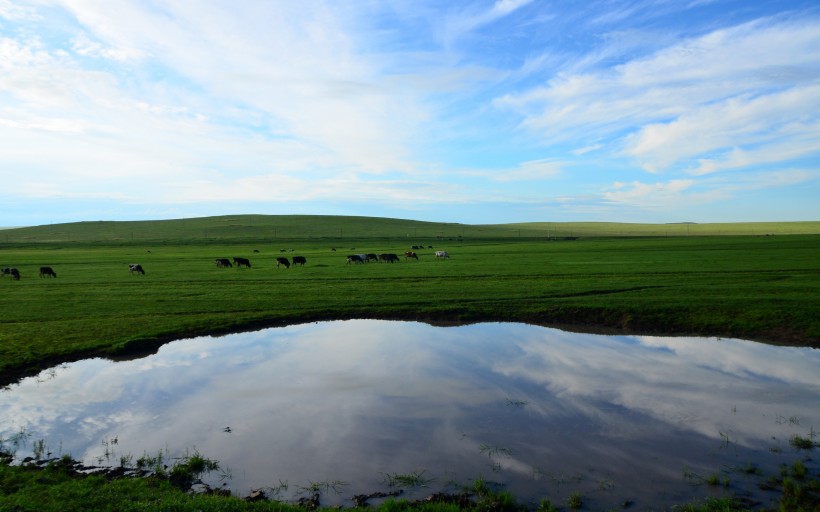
(47, 272)
(370, 257)
(223, 263)
(411, 254)
(240, 262)
(355, 258)
(299, 260)
(135, 268)
(390, 258)
(15, 274)
(282, 261)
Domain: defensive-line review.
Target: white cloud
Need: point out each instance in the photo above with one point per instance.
(747, 121)
(15, 12)
(83, 45)
(462, 23)
(680, 194)
(649, 195)
(735, 87)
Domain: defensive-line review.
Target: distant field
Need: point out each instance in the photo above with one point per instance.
(317, 227)
(754, 287)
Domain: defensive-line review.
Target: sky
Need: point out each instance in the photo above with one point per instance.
(479, 111)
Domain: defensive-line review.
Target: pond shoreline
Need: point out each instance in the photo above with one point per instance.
(664, 420)
(606, 322)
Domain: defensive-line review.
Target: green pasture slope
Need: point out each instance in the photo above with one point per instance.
(754, 281)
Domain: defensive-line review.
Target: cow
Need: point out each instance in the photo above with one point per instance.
(281, 260)
(410, 254)
(15, 274)
(371, 257)
(390, 258)
(5, 272)
(47, 272)
(223, 262)
(442, 254)
(240, 262)
(299, 260)
(355, 258)
(135, 268)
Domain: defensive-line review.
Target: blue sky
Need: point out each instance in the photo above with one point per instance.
(472, 111)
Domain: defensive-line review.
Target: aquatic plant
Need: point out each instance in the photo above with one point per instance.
(39, 449)
(494, 451)
(575, 501)
(516, 403)
(414, 479)
(802, 443)
(188, 469)
(321, 486)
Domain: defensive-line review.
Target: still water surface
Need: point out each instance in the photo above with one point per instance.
(545, 413)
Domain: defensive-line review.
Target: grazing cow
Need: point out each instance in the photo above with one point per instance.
(371, 257)
(355, 258)
(299, 260)
(410, 254)
(223, 263)
(281, 260)
(240, 262)
(390, 258)
(47, 272)
(135, 267)
(15, 274)
(442, 254)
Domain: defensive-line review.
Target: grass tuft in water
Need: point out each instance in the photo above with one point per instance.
(575, 501)
(321, 486)
(494, 451)
(407, 480)
(802, 443)
(189, 469)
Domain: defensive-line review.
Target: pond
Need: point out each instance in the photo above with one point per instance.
(351, 407)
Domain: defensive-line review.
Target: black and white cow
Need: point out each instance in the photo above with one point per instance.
(442, 254)
(135, 268)
(282, 261)
(411, 254)
(355, 258)
(223, 263)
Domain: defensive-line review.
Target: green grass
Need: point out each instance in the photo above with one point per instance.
(756, 287)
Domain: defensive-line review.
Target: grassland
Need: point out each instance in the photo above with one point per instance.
(754, 281)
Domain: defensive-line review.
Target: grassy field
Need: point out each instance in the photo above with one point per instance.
(750, 286)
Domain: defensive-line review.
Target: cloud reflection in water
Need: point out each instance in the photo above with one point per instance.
(542, 410)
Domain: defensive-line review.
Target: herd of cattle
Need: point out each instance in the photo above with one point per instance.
(136, 268)
(15, 274)
(388, 257)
